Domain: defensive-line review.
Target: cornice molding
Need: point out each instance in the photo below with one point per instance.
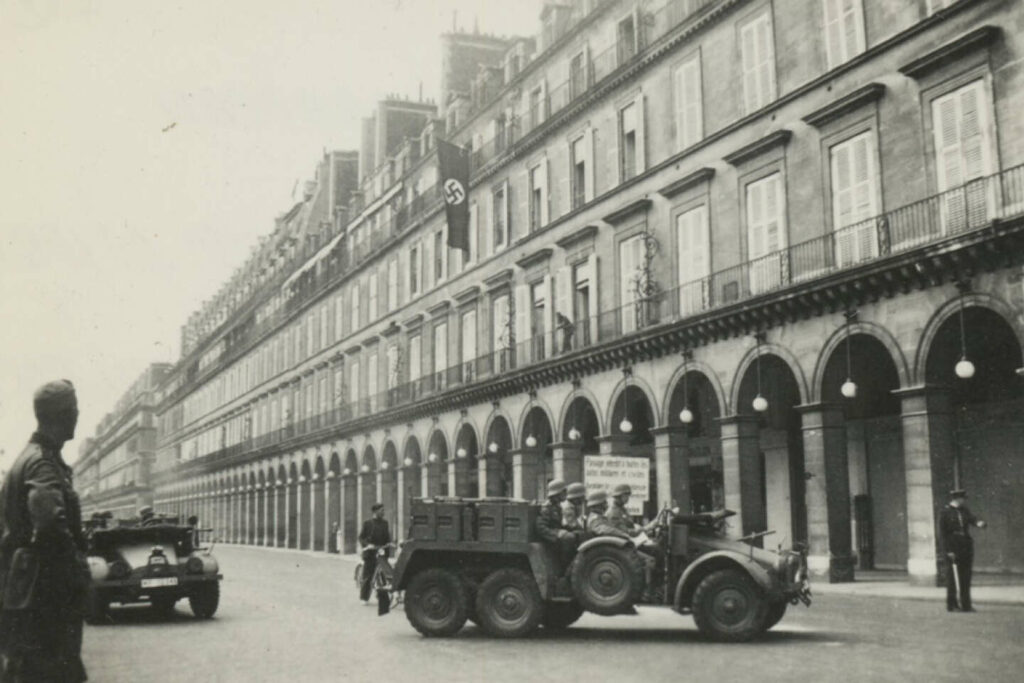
(537, 257)
(758, 147)
(587, 232)
(502, 277)
(635, 206)
(981, 37)
(872, 92)
(701, 175)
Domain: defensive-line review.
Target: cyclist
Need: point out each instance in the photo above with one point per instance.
(375, 533)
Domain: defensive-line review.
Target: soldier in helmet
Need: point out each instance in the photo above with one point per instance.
(147, 517)
(573, 516)
(42, 551)
(619, 517)
(549, 523)
(597, 523)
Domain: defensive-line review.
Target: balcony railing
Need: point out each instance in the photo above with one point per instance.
(960, 211)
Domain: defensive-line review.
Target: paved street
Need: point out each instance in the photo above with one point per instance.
(290, 616)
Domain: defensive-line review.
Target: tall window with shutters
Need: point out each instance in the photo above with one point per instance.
(415, 282)
(578, 172)
(628, 140)
(415, 362)
(371, 382)
(501, 331)
(372, 285)
(963, 130)
(854, 199)
(392, 284)
(631, 260)
(499, 216)
(538, 314)
(440, 355)
(693, 259)
(468, 347)
(688, 100)
(356, 313)
(844, 30)
(353, 385)
(766, 233)
(757, 48)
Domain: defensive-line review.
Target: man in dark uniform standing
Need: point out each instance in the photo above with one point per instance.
(955, 522)
(375, 533)
(550, 526)
(43, 574)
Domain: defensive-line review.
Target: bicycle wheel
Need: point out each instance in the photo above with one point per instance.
(359, 576)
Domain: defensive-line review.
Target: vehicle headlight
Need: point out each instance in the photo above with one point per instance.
(201, 564)
(98, 568)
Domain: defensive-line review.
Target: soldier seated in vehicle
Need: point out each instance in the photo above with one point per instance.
(573, 516)
(597, 523)
(551, 529)
(619, 517)
(147, 517)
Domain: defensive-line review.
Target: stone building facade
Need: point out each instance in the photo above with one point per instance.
(749, 243)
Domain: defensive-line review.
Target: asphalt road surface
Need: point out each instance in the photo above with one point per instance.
(291, 616)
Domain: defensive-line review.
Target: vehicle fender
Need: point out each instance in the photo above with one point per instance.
(542, 565)
(616, 541)
(724, 558)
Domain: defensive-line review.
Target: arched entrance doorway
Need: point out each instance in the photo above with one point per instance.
(498, 459)
(411, 479)
(305, 504)
(280, 507)
(350, 501)
(632, 420)
(767, 467)
(874, 447)
(319, 505)
(334, 503)
(988, 429)
(293, 506)
(580, 429)
(697, 446)
(467, 469)
(389, 484)
(537, 467)
(437, 464)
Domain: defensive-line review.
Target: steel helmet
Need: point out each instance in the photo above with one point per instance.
(577, 491)
(621, 490)
(555, 487)
(597, 498)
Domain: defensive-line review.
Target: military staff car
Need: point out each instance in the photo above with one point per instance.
(157, 562)
(481, 560)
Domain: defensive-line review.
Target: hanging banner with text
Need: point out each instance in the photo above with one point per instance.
(605, 472)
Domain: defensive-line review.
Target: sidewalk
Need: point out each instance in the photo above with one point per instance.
(986, 589)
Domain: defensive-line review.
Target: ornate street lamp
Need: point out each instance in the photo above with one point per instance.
(760, 403)
(964, 368)
(531, 440)
(574, 433)
(626, 426)
(849, 388)
(686, 415)
(493, 447)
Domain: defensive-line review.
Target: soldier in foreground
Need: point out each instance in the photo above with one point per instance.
(573, 516)
(955, 524)
(550, 526)
(42, 561)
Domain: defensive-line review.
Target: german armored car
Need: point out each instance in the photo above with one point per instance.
(159, 562)
(482, 560)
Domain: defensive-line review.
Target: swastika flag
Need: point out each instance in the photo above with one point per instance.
(454, 171)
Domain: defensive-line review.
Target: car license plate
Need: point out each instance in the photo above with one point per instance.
(157, 583)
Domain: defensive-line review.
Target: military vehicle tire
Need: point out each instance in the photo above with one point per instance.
(561, 615)
(775, 613)
(435, 602)
(205, 599)
(508, 604)
(728, 606)
(96, 608)
(607, 579)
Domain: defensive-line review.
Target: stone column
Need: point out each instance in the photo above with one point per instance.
(567, 458)
(929, 448)
(526, 468)
(400, 477)
(741, 473)
(317, 504)
(672, 467)
(830, 552)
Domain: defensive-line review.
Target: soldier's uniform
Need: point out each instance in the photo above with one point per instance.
(599, 525)
(549, 525)
(619, 516)
(955, 522)
(42, 568)
(573, 517)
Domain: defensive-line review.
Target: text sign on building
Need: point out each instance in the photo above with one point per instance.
(605, 472)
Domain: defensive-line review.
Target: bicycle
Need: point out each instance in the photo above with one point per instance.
(380, 582)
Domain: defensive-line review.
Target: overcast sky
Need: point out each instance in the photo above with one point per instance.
(145, 145)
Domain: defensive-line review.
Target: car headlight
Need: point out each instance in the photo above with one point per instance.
(119, 569)
(201, 564)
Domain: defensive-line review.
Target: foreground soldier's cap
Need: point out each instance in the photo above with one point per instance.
(53, 398)
(145, 510)
(577, 491)
(958, 493)
(376, 506)
(555, 486)
(597, 497)
(621, 490)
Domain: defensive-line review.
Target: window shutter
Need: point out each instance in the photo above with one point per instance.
(428, 265)
(403, 275)
(522, 313)
(613, 164)
(563, 294)
(594, 299)
(444, 252)
(773, 215)
(833, 32)
(542, 115)
(587, 67)
(523, 205)
(694, 104)
(749, 64)
(549, 311)
(468, 336)
(589, 172)
(564, 166)
(474, 231)
(545, 196)
(766, 55)
(641, 136)
(487, 222)
(755, 221)
(441, 347)
(415, 355)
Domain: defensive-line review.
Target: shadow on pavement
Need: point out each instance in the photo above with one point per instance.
(144, 615)
(657, 635)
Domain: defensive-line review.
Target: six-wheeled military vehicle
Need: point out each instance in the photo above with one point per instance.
(159, 562)
(482, 560)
